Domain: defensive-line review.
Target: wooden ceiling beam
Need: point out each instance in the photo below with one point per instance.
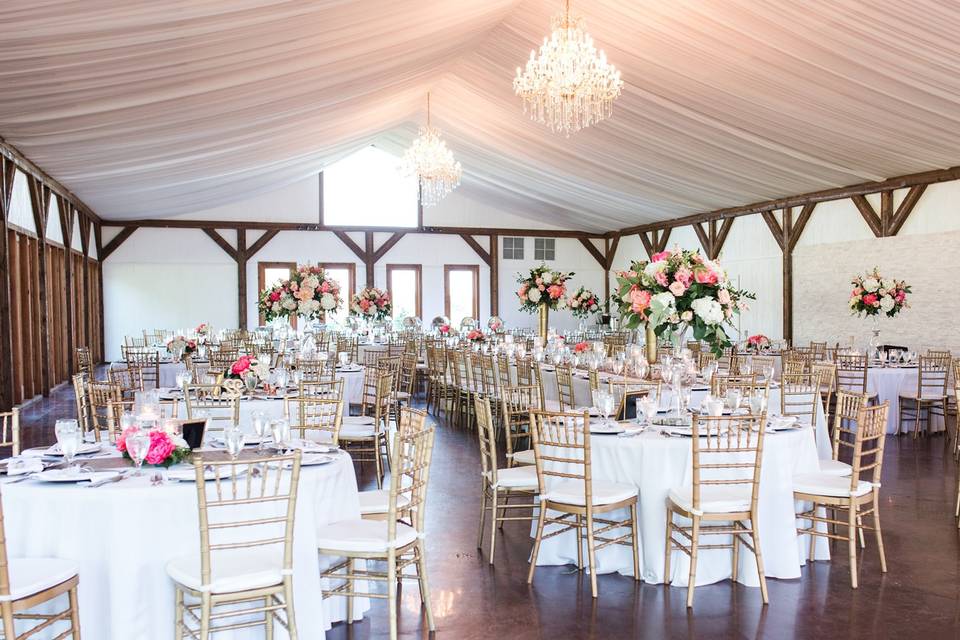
(873, 220)
(261, 242)
(222, 243)
(480, 251)
(353, 246)
(596, 253)
(906, 208)
(612, 251)
(386, 246)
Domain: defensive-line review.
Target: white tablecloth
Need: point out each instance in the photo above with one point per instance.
(889, 383)
(121, 536)
(655, 464)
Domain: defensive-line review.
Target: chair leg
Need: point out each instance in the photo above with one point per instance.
(736, 551)
(877, 531)
(205, 607)
(761, 574)
(493, 522)
(9, 630)
(350, 586)
(392, 592)
(483, 516)
(863, 541)
(178, 614)
(288, 599)
(268, 619)
(536, 543)
(852, 543)
(592, 556)
(811, 554)
(634, 541)
(694, 544)
(579, 542)
(669, 548)
(74, 614)
(424, 587)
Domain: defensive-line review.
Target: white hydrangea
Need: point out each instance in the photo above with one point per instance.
(886, 303)
(888, 284)
(871, 284)
(327, 301)
(708, 310)
(534, 295)
(654, 267)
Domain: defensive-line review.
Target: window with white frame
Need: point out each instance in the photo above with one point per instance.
(544, 249)
(512, 248)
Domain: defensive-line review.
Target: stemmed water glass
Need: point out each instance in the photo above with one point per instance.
(603, 401)
(234, 440)
(734, 396)
(280, 428)
(646, 407)
(260, 422)
(68, 437)
(138, 445)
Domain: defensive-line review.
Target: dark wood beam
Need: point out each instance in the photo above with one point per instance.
(720, 237)
(612, 251)
(494, 275)
(813, 197)
(799, 225)
(647, 243)
(261, 242)
(874, 221)
(368, 261)
(660, 244)
(242, 277)
(85, 234)
(601, 258)
(775, 229)
(6, 330)
(480, 251)
(905, 209)
(386, 246)
(40, 203)
(66, 225)
(347, 240)
(221, 242)
(114, 243)
(704, 236)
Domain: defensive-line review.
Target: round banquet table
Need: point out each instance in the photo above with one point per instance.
(654, 464)
(122, 535)
(582, 397)
(889, 383)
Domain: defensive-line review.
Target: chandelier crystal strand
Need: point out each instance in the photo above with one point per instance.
(429, 159)
(570, 85)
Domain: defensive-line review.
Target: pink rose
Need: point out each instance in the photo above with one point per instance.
(580, 347)
(657, 257)
(684, 275)
(705, 276)
(161, 446)
(274, 296)
(364, 304)
(661, 278)
(677, 288)
(723, 296)
(555, 291)
(325, 287)
(639, 299)
(901, 295)
(870, 299)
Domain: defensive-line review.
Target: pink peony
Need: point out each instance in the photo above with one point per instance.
(657, 257)
(705, 276)
(304, 294)
(274, 296)
(555, 291)
(364, 304)
(661, 278)
(580, 347)
(723, 296)
(324, 287)
(161, 446)
(639, 299)
(241, 365)
(684, 275)
(677, 288)
(870, 300)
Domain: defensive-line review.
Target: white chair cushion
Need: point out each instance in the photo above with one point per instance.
(822, 484)
(356, 431)
(835, 468)
(401, 395)
(33, 575)
(378, 501)
(713, 498)
(231, 571)
(525, 457)
(524, 477)
(357, 420)
(572, 492)
(935, 397)
(363, 536)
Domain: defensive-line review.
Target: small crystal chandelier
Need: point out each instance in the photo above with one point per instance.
(432, 163)
(569, 86)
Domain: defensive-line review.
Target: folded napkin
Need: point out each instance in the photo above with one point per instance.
(24, 464)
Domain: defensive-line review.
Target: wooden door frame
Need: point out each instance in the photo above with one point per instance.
(475, 269)
(407, 267)
(261, 281)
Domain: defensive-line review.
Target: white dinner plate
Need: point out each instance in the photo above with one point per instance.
(73, 475)
(312, 459)
(609, 428)
(186, 473)
(781, 423)
(82, 450)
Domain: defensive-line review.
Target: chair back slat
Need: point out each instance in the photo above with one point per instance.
(727, 450)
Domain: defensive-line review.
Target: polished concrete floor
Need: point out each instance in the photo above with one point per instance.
(918, 598)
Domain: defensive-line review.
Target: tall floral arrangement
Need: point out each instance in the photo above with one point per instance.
(308, 292)
(584, 303)
(873, 295)
(679, 289)
(371, 303)
(543, 287)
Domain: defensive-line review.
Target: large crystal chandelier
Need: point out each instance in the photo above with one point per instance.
(432, 163)
(570, 85)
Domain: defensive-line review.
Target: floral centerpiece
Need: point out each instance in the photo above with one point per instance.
(584, 303)
(179, 347)
(873, 294)
(581, 347)
(308, 292)
(676, 290)
(250, 370)
(446, 330)
(476, 336)
(371, 303)
(758, 343)
(202, 330)
(165, 449)
(542, 290)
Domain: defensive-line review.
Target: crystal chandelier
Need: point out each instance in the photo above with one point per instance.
(569, 86)
(432, 163)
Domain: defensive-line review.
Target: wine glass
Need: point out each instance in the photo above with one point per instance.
(280, 428)
(259, 419)
(68, 437)
(758, 403)
(234, 439)
(734, 396)
(138, 445)
(768, 371)
(646, 407)
(603, 401)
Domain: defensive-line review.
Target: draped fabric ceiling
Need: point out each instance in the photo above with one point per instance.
(152, 109)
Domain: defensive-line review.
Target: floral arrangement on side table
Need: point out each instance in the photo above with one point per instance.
(371, 303)
(873, 294)
(543, 287)
(308, 292)
(165, 449)
(584, 303)
(678, 289)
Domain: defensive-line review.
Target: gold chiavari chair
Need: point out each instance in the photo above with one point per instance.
(433, 379)
(704, 358)
(26, 583)
(315, 416)
(565, 393)
(793, 367)
(82, 398)
(330, 389)
(148, 362)
(561, 444)
(10, 430)
(826, 373)
(500, 485)
(371, 357)
(85, 361)
(245, 564)
(614, 344)
(956, 405)
(154, 337)
(461, 390)
(102, 394)
(392, 365)
(133, 341)
(797, 361)
(375, 503)
(939, 353)
(931, 395)
(312, 369)
(129, 380)
(720, 384)
(350, 346)
(525, 376)
(222, 358)
(407, 377)
(844, 430)
(219, 402)
(398, 541)
(818, 350)
(727, 457)
(857, 496)
(516, 404)
(799, 398)
(624, 392)
(365, 437)
(852, 373)
(504, 379)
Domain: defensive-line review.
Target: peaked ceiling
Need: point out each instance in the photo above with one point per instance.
(152, 109)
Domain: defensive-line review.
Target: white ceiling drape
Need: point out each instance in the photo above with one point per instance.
(162, 108)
